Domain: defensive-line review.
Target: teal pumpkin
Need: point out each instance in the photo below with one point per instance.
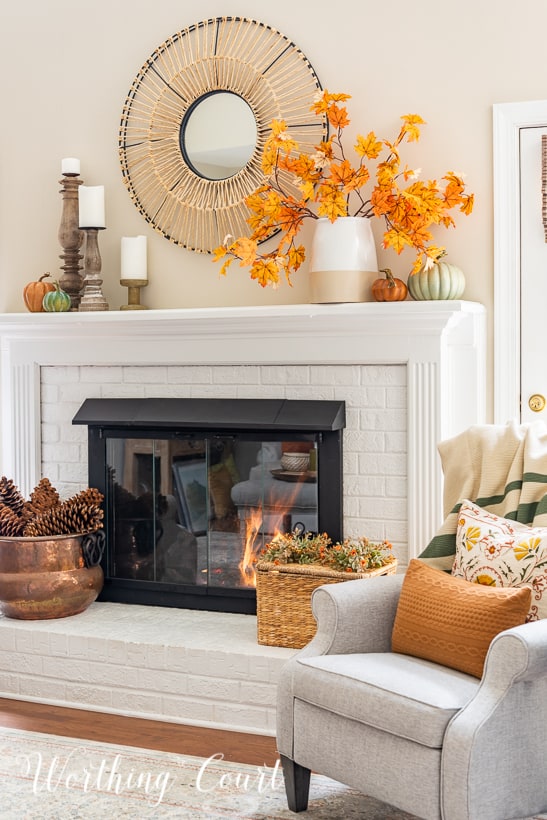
(56, 301)
(441, 281)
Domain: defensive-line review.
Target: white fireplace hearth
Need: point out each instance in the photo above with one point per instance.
(411, 374)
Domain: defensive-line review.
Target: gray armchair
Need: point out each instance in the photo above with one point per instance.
(432, 741)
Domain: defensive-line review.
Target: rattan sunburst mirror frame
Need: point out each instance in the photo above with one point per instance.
(235, 54)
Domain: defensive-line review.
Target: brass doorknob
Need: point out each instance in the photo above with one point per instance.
(536, 402)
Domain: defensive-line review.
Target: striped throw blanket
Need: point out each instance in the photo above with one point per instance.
(502, 468)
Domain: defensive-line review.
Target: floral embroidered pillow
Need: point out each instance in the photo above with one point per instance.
(497, 552)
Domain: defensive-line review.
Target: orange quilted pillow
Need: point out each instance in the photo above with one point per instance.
(452, 621)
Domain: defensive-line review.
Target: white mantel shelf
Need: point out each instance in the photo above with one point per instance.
(441, 343)
(365, 319)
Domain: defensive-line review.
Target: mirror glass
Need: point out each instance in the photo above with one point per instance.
(218, 135)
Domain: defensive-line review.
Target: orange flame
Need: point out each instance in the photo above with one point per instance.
(254, 531)
(246, 566)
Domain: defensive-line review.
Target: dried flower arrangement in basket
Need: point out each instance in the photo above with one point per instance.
(44, 514)
(292, 565)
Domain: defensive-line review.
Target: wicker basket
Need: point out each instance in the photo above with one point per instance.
(283, 599)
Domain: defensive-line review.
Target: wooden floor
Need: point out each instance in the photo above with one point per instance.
(147, 734)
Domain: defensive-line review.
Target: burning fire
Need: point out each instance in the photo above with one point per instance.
(253, 525)
(276, 521)
(254, 533)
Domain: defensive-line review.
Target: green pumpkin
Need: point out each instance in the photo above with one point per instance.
(441, 281)
(56, 301)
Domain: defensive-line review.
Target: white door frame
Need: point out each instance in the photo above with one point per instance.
(509, 118)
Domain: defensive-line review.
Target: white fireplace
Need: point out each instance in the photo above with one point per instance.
(411, 373)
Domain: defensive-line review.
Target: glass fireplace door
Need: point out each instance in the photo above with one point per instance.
(197, 510)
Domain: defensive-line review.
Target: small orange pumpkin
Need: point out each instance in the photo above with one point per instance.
(389, 289)
(34, 292)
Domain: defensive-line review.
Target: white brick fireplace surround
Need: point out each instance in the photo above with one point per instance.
(411, 374)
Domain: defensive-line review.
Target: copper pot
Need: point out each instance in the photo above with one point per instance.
(48, 576)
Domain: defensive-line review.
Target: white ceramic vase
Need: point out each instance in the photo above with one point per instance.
(343, 262)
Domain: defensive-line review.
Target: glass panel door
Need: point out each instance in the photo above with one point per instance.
(198, 510)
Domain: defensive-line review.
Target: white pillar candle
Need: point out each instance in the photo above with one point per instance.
(91, 202)
(134, 265)
(70, 165)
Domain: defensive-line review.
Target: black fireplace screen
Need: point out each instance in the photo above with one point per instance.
(194, 489)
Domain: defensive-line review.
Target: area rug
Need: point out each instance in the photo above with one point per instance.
(55, 778)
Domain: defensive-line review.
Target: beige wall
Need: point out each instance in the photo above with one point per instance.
(67, 67)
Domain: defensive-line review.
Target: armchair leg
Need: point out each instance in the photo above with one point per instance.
(297, 784)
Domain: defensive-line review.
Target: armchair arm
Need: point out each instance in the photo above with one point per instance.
(505, 713)
(355, 616)
(520, 652)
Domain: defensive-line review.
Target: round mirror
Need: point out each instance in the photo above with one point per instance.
(218, 135)
(195, 121)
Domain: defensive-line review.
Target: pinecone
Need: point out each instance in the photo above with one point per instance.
(10, 495)
(44, 497)
(11, 524)
(44, 514)
(71, 517)
(90, 496)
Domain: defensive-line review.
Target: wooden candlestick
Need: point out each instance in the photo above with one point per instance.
(92, 295)
(133, 293)
(70, 238)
